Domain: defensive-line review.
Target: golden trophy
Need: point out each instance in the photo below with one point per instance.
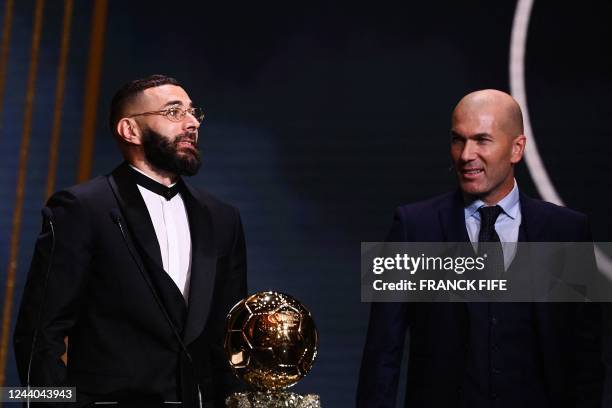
(271, 343)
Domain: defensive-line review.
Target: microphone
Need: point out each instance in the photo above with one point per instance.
(48, 219)
(117, 219)
(48, 216)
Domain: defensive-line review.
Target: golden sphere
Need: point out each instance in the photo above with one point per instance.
(270, 340)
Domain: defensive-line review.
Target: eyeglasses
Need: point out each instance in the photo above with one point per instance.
(175, 113)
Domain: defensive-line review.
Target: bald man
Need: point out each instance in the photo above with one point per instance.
(486, 142)
(482, 355)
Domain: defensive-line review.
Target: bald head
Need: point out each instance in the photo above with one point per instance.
(502, 108)
(486, 142)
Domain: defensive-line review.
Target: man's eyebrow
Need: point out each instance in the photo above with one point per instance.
(480, 136)
(474, 136)
(176, 102)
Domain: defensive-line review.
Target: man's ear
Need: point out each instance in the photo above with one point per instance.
(518, 148)
(128, 131)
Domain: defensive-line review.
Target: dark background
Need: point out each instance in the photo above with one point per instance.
(321, 119)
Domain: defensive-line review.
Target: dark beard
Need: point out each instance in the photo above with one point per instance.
(164, 154)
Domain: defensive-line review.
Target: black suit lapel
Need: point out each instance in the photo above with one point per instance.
(142, 232)
(135, 211)
(203, 264)
(533, 221)
(452, 219)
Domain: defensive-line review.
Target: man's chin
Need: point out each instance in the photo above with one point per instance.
(191, 167)
(189, 157)
(180, 168)
(469, 187)
(473, 190)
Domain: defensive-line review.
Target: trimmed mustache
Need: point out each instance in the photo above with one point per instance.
(187, 137)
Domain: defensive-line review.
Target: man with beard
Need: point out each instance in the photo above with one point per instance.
(135, 271)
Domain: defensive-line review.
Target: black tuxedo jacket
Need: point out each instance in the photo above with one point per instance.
(569, 334)
(108, 293)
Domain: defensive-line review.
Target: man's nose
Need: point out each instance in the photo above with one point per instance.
(191, 122)
(469, 151)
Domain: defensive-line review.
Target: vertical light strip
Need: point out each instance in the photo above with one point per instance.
(59, 98)
(92, 88)
(20, 190)
(535, 164)
(518, 45)
(4, 51)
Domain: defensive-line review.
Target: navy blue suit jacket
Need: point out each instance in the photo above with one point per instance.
(569, 334)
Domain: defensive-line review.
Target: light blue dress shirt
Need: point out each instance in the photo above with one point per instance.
(507, 224)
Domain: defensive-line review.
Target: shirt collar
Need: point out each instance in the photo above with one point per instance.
(154, 186)
(145, 174)
(509, 205)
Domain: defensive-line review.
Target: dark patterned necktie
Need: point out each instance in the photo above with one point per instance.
(492, 246)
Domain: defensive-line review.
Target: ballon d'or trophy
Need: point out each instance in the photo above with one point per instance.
(271, 343)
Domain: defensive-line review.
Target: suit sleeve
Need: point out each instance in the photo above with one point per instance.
(234, 290)
(382, 354)
(50, 301)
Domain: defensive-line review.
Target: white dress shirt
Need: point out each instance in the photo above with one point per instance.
(507, 224)
(169, 218)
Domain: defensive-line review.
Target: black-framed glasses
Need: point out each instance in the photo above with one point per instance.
(175, 113)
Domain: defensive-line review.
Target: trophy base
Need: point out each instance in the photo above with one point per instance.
(272, 399)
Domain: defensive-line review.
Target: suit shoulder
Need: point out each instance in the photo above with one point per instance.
(83, 191)
(554, 223)
(215, 204)
(556, 212)
(431, 205)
